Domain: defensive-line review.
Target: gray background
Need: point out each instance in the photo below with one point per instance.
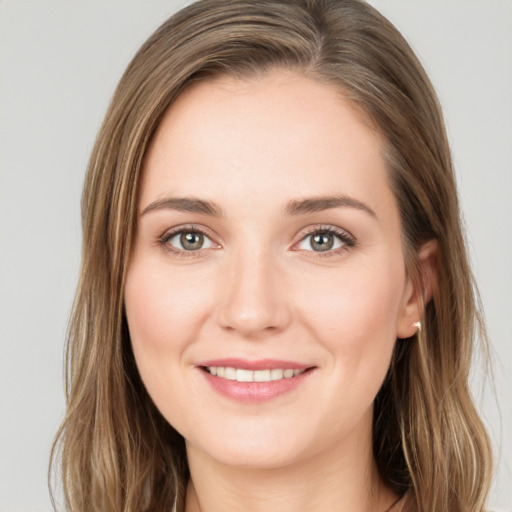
(60, 61)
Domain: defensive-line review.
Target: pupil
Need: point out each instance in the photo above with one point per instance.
(322, 242)
(191, 241)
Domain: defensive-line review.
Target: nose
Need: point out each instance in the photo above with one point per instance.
(253, 298)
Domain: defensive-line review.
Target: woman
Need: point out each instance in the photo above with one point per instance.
(275, 306)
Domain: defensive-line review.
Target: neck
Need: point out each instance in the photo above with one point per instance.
(343, 478)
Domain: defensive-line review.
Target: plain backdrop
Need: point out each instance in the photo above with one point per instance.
(60, 61)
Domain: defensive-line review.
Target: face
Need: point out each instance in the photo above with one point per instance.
(267, 286)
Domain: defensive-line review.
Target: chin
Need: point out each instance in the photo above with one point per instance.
(257, 449)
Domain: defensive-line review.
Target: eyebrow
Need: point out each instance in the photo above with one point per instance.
(184, 204)
(318, 204)
(294, 207)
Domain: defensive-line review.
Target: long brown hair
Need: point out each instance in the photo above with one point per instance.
(117, 453)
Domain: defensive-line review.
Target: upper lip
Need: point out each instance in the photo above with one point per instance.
(257, 364)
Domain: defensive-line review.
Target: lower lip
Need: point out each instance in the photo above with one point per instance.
(251, 392)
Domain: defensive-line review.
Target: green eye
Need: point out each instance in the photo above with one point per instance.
(329, 239)
(189, 241)
(322, 242)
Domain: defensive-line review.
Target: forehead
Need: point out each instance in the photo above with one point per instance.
(278, 134)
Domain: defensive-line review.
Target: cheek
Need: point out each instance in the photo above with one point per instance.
(364, 296)
(355, 314)
(164, 311)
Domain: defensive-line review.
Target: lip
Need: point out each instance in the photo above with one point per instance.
(258, 364)
(254, 392)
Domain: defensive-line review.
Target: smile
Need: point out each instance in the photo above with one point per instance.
(254, 381)
(244, 375)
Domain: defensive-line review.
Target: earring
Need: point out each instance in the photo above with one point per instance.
(417, 325)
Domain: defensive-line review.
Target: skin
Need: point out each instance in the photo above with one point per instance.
(257, 289)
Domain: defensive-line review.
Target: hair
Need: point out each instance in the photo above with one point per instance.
(116, 451)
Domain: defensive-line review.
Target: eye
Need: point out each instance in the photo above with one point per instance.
(189, 240)
(324, 240)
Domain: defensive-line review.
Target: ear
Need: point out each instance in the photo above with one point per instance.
(418, 294)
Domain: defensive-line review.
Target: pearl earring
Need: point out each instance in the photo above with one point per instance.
(417, 325)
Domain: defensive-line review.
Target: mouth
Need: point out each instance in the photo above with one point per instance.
(245, 375)
(254, 381)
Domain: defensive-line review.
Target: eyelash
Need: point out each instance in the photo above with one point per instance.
(168, 235)
(346, 238)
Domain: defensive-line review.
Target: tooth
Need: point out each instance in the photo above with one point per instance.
(261, 375)
(244, 375)
(230, 373)
(276, 374)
